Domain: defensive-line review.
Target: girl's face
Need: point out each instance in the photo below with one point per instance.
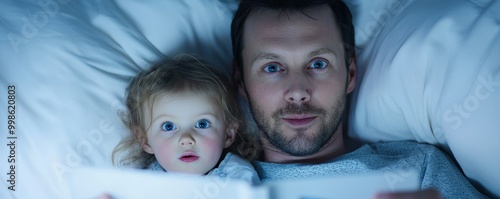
(187, 133)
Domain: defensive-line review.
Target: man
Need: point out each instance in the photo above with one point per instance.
(295, 63)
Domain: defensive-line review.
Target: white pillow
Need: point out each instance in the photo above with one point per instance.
(369, 17)
(70, 62)
(432, 74)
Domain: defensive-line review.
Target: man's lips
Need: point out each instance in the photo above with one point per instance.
(299, 120)
(189, 157)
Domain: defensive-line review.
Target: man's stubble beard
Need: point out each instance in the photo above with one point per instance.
(304, 143)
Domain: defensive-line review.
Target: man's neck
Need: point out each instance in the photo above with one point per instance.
(332, 149)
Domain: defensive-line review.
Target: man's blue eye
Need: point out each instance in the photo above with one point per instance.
(272, 68)
(203, 124)
(168, 126)
(318, 64)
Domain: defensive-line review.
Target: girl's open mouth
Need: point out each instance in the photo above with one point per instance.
(189, 158)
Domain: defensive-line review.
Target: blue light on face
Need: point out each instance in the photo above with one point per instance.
(272, 68)
(168, 126)
(318, 64)
(203, 124)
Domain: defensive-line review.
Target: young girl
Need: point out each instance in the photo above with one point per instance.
(183, 116)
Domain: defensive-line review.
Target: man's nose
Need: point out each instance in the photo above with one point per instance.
(298, 88)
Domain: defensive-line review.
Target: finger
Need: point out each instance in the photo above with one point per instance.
(104, 196)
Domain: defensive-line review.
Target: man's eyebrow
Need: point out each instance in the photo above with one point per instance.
(272, 56)
(322, 51)
(264, 56)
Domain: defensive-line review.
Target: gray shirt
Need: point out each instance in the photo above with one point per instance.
(435, 168)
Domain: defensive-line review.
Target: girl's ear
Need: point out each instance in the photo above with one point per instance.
(142, 138)
(147, 148)
(230, 134)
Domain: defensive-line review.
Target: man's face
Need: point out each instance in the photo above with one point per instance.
(295, 78)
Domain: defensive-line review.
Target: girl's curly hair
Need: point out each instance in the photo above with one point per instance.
(183, 73)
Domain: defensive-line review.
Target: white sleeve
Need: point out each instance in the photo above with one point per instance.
(235, 167)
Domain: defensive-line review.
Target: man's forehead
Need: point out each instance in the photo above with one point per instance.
(305, 31)
(275, 23)
(269, 16)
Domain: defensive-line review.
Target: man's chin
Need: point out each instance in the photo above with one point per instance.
(301, 146)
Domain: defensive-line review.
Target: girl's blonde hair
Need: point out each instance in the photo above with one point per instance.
(183, 73)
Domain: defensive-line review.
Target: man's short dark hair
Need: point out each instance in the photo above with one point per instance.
(343, 18)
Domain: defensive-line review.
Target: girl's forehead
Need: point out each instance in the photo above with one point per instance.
(185, 95)
(186, 100)
(187, 105)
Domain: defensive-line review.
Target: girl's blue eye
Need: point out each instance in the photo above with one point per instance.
(203, 124)
(168, 126)
(318, 64)
(272, 68)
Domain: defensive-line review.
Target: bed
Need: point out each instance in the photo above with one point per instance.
(429, 71)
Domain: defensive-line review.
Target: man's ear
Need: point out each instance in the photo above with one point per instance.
(351, 74)
(238, 79)
(142, 138)
(230, 134)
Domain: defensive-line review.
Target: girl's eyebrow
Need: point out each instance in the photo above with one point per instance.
(160, 116)
(215, 115)
(209, 114)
